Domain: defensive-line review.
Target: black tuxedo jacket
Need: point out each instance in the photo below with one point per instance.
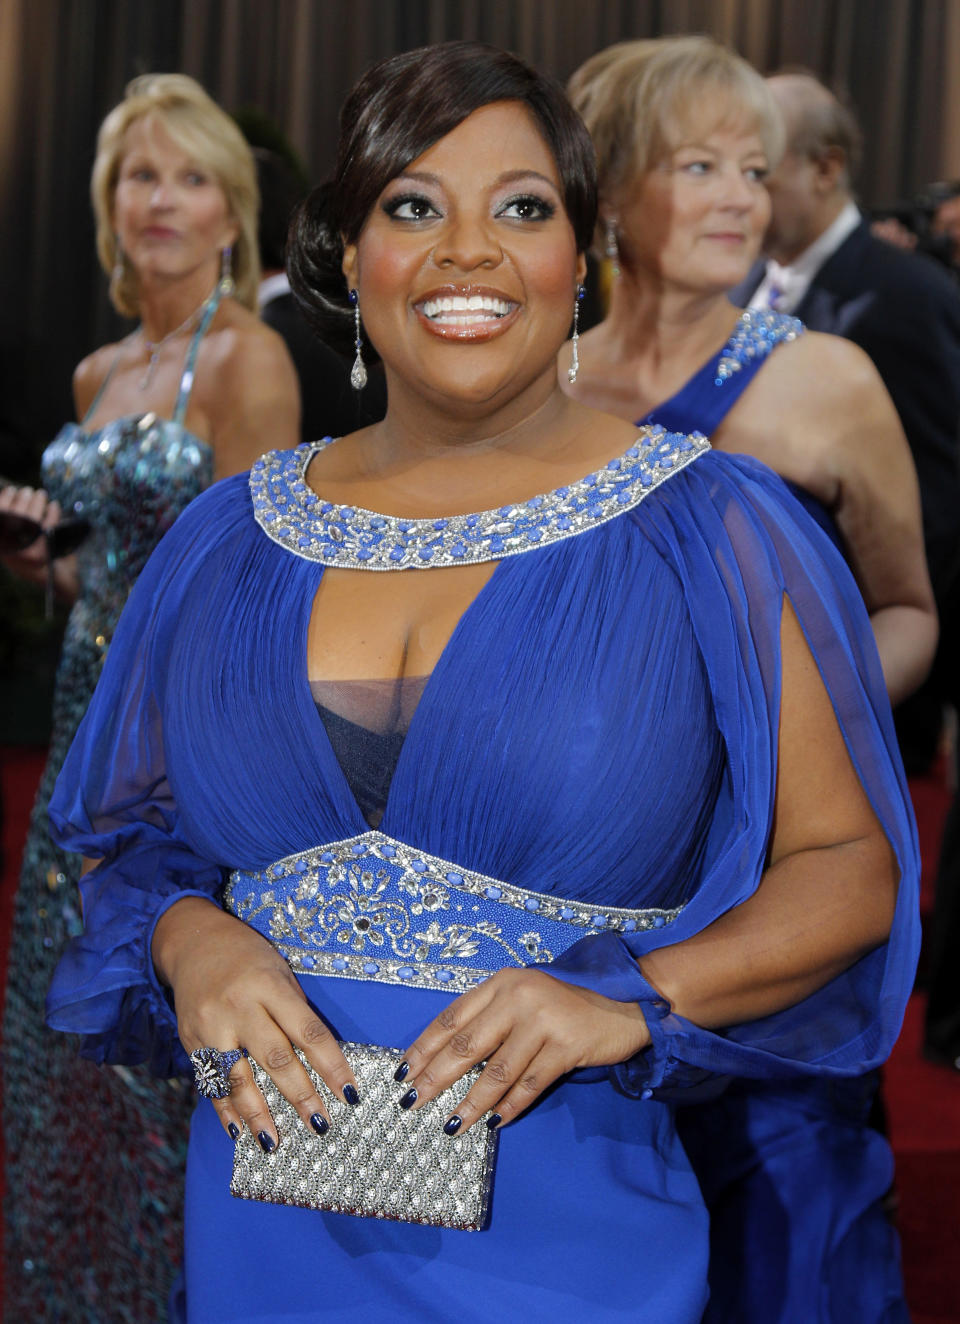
(904, 311)
(329, 406)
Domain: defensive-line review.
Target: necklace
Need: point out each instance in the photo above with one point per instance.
(153, 347)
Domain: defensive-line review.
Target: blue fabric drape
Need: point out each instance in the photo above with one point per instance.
(601, 725)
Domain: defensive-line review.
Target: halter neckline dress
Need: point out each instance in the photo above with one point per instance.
(71, 1253)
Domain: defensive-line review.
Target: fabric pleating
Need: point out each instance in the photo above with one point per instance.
(602, 725)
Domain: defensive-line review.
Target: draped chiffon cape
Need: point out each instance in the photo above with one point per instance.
(602, 725)
(795, 1173)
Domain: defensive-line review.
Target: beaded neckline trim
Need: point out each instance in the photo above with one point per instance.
(757, 332)
(296, 518)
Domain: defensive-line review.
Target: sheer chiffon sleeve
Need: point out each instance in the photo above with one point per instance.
(740, 544)
(113, 802)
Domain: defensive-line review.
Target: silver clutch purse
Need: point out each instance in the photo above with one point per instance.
(376, 1161)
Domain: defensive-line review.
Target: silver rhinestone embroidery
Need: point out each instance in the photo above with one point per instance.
(757, 332)
(374, 908)
(353, 538)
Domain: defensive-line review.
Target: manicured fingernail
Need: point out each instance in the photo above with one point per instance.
(267, 1142)
(351, 1095)
(401, 1072)
(452, 1126)
(409, 1099)
(319, 1124)
(493, 1121)
(234, 1130)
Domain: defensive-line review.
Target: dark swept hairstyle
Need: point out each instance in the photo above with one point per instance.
(395, 113)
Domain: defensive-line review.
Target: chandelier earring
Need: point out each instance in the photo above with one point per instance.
(226, 270)
(358, 373)
(611, 247)
(575, 343)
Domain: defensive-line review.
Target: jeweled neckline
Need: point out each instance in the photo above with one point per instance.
(292, 515)
(756, 332)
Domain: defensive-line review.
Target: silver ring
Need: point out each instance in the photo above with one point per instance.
(211, 1071)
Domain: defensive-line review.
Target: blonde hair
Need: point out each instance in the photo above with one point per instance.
(199, 127)
(637, 97)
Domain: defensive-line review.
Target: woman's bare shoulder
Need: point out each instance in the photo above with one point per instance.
(90, 374)
(243, 348)
(835, 365)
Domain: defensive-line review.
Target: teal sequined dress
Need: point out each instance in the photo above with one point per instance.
(94, 1157)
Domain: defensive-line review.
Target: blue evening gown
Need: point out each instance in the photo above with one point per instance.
(794, 1176)
(589, 775)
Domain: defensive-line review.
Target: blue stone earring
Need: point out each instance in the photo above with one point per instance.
(358, 373)
(575, 361)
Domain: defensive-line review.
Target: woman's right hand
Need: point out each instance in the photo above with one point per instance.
(31, 503)
(232, 989)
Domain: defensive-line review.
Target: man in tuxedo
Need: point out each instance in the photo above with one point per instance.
(823, 264)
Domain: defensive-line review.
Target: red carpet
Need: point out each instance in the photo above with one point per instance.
(923, 1101)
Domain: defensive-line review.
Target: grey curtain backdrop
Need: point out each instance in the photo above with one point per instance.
(64, 63)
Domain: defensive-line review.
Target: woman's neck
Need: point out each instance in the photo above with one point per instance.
(424, 459)
(652, 322)
(165, 305)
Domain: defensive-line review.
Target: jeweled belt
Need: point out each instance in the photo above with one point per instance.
(374, 908)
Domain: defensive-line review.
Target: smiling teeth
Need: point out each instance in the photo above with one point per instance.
(457, 308)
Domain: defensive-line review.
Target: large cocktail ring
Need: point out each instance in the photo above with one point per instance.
(211, 1071)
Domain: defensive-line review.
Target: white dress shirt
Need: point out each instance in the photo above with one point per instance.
(783, 288)
(271, 287)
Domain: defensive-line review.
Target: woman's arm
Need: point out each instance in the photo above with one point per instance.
(828, 894)
(822, 418)
(878, 514)
(825, 899)
(231, 987)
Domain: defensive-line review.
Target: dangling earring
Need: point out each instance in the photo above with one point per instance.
(611, 247)
(575, 360)
(226, 270)
(117, 275)
(358, 373)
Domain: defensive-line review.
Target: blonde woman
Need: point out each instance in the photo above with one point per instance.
(189, 396)
(685, 133)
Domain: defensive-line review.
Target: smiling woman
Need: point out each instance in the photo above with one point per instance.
(438, 841)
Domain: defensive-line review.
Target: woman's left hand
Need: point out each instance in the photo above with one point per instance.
(531, 1029)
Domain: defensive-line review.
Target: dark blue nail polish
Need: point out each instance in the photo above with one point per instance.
(401, 1072)
(234, 1130)
(319, 1124)
(267, 1142)
(409, 1099)
(351, 1095)
(493, 1121)
(453, 1125)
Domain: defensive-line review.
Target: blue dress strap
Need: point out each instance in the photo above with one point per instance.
(186, 380)
(711, 393)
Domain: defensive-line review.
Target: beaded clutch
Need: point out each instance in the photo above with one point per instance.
(376, 1161)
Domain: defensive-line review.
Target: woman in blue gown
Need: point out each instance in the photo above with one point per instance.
(795, 1177)
(644, 829)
